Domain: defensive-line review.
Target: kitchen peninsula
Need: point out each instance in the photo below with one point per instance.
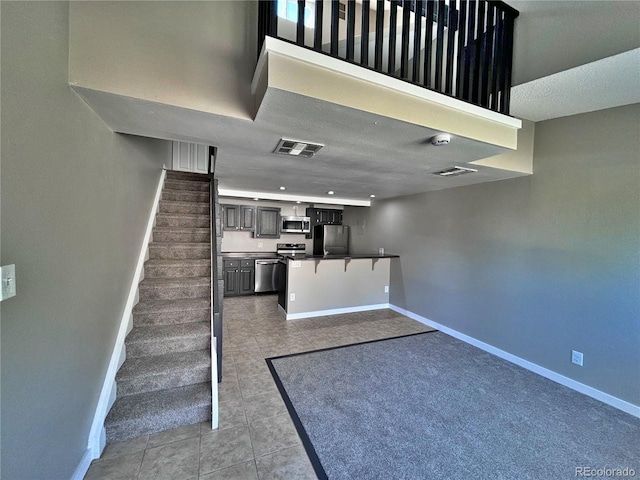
(327, 285)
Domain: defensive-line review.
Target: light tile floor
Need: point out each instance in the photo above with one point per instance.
(256, 438)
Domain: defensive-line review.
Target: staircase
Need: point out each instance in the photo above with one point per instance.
(165, 381)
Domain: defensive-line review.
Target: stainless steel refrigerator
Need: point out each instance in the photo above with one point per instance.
(331, 240)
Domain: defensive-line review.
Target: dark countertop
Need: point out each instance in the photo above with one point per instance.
(354, 256)
(250, 255)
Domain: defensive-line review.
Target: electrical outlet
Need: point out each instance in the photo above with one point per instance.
(296, 264)
(292, 297)
(386, 289)
(8, 274)
(260, 244)
(577, 357)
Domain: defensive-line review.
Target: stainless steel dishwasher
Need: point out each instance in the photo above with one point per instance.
(266, 275)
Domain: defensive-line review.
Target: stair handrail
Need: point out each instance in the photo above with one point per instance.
(216, 306)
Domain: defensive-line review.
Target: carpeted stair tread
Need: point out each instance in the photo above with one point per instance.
(188, 185)
(177, 268)
(177, 262)
(172, 207)
(185, 196)
(152, 340)
(183, 220)
(187, 176)
(152, 412)
(173, 235)
(179, 244)
(175, 282)
(148, 334)
(171, 250)
(159, 306)
(182, 229)
(152, 312)
(161, 364)
(159, 372)
(194, 216)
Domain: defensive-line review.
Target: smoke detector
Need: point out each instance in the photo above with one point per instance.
(297, 148)
(441, 139)
(455, 171)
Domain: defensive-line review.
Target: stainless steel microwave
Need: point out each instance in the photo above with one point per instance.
(296, 225)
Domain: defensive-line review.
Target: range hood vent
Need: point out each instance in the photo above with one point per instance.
(454, 171)
(297, 148)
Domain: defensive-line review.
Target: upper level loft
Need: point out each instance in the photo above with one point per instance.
(459, 48)
(374, 88)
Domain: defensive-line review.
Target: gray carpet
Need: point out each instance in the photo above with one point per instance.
(429, 406)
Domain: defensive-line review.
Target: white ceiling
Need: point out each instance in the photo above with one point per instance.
(610, 82)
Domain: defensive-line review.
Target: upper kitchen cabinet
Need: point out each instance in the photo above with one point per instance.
(323, 216)
(238, 217)
(267, 222)
(247, 218)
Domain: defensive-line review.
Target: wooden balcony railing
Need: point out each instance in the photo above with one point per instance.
(461, 48)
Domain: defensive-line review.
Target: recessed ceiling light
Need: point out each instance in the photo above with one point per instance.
(330, 192)
(283, 188)
(372, 196)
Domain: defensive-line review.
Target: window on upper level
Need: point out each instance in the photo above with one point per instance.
(288, 9)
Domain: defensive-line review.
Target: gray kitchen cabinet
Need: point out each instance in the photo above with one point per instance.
(239, 276)
(267, 222)
(230, 217)
(247, 218)
(247, 281)
(238, 217)
(323, 216)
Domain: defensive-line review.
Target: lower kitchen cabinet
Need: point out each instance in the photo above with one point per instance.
(247, 281)
(231, 282)
(239, 276)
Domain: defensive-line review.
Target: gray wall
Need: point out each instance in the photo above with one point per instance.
(535, 266)
(75, 200)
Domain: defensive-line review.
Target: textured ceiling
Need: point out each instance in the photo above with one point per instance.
(370, 154)
(364, 153)
(606, 83)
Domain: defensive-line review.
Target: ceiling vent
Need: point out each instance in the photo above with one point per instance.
(297, 148)
(455, 171)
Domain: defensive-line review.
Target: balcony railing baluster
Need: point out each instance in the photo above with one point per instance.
(393, 20)
(469, 58)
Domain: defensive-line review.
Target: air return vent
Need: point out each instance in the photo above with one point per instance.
(454, 171)
(297, 148)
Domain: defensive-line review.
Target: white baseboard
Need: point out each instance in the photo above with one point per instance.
(336, 311)
(83, 466)
(97, 437)
(615, 402)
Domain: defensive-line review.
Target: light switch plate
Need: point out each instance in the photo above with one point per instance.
(8, 281)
